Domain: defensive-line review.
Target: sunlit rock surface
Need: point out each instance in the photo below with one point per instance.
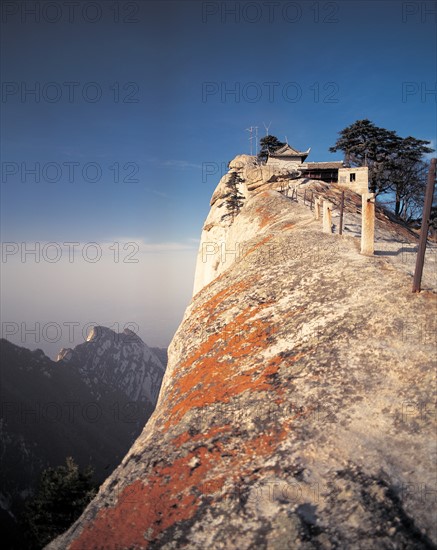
(297, 409)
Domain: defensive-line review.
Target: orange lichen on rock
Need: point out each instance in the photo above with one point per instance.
(258, 245)
(211, 374)
(227, 364)
(209, 308)
(287, 226)
(149, 507)
(264, 444)
(266, 216)
(186, 437)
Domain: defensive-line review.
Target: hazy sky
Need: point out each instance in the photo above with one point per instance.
(118, 119)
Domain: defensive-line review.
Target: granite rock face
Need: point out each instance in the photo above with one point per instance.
(297, 409)
(223, 236)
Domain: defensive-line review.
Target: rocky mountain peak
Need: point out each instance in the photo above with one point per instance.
(99, 333)
(131, 334)
(296, 408)
(120, 360)
(65, 354)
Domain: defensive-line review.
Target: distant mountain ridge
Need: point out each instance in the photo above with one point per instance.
(120, 360)
(90, 404)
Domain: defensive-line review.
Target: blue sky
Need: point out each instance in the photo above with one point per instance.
(133, 147)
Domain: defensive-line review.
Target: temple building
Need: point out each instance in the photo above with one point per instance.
(286, 157)
(326, 171)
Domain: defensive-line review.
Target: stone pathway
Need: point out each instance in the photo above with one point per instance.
(392, 243)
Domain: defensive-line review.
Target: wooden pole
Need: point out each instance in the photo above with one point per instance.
(429, 193)
(340, 230)
(317, 208)
(368, 224)
(327, 217)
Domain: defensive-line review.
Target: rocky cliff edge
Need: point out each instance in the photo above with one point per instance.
(297, 409)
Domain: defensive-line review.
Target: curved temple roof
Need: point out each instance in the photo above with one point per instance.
(287, 151)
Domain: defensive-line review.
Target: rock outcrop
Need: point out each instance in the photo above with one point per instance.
(297, 409)
(221, 238)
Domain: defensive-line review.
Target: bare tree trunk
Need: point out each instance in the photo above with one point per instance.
(398, 206)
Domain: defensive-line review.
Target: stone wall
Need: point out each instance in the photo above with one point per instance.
(356, 179)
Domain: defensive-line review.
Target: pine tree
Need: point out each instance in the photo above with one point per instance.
(408, 175)
(62, 495)
(365, 144)
(268, 144)
(233, 197)
(395, 164)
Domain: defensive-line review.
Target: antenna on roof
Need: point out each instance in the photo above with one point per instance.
(256, 140)
(251, 129)
(286, 140)
(267, 127)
